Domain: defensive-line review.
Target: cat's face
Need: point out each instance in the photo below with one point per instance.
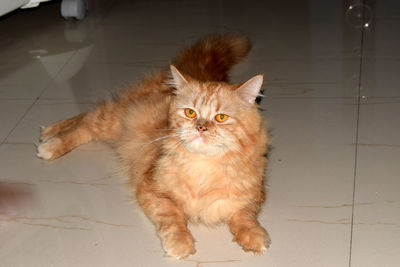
(205, 121)
(213, 118)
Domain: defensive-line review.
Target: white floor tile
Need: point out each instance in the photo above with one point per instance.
(20, 91)
(379, 122)
(376, 232)
(76, 206)
(32, 72)
(117, 52)
(380, 40)
(92, 82)
(310, 198)
(11, 111)
(380, 77)
(304, 78)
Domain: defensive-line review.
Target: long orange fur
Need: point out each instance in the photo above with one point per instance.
(184, 169)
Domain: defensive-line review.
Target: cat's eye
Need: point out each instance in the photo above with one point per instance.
(190, 113)
(221, 117)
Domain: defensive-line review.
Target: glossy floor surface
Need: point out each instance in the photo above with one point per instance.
(332, 75)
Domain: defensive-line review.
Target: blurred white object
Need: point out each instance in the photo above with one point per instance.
(74, 9)
(33, 3)
(69, 8)
(9, 5)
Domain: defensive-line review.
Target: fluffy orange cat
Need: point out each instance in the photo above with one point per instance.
(193, 144)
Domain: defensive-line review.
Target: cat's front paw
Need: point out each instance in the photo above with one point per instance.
(49, 150)
(255, 239)
(179, 245)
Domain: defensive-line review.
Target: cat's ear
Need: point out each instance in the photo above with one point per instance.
(178, 80)
(249, 90)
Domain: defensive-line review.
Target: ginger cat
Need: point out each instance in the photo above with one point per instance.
(193, 144)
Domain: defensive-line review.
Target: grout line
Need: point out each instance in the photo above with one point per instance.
(356, 142)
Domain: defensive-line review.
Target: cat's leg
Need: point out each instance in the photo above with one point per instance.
(62, 137)
(248, 232)
(100, 124)
(170, 221)
(60, 127)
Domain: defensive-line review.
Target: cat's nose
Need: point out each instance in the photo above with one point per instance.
(201, 128)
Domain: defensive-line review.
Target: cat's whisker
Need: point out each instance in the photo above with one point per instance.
(240, 152)
(166, 136)
(160, 138)
(175, 146)
(171, 149)
(233, 147)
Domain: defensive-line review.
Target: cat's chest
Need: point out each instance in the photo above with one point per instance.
(205, 191)
(203, 179)
(204, 186)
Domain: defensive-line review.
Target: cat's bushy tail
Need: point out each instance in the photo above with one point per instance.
(211, 58)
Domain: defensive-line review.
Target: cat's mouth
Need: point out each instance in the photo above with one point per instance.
(200, 137)
(204, 145)
(202, 142)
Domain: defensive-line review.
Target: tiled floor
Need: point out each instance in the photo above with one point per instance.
(332, 106)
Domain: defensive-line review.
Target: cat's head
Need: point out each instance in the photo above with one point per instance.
(213, 118)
